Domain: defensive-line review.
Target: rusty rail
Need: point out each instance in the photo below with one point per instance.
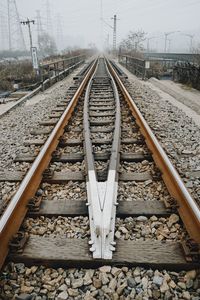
(187, 207)
(15, 212)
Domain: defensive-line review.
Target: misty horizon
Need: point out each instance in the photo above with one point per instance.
(89, 22)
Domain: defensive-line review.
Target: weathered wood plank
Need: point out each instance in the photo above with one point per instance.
(63, 252)
(100, 114)
(102, 108)
(55, 115)
(102, 103)
(132, 141)
(63, 105)
(72, 207)
(37, 142)
(138, 208)
(50, 122)
(102, 156)
(75, 129)
(11, 176)
(64, 158)
(58, 177)
(130, 129)
(70, 142)
(102, 129)
(41, 131)
(102, 96)
(25, 158)
(77, 142)
(62, 177)
(69, 157)
(130, 176)
(101, 122)
(58, 109)
(135, 157)
(62, 207)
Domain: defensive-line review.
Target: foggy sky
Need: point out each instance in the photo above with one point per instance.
(81, 23)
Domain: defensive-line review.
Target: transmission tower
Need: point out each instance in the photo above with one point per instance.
(59, 35)
(49, 22)
(3, 32)
(15, 34)
(39, 26)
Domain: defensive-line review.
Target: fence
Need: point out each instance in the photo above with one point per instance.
(44, 85)
(58, 67)
(134, 65)
(147, 68)
(187, 73)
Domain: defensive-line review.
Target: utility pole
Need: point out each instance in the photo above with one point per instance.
(32, 49)
(115, 34)
(28, 22)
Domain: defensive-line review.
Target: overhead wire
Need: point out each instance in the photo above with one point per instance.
(160, 4)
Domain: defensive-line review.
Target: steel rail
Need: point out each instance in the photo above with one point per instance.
(110, 201)
(102, 196)
(187, 207)
(16, 210)
(93, 195)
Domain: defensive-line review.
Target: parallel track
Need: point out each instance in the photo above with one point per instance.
(102, 91)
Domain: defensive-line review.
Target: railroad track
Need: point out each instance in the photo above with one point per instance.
(99, 145)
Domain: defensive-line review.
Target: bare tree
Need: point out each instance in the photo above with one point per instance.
(133, 44)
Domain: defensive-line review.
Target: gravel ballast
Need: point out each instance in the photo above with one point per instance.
(177, 133)
(16, 126)
(40, 283)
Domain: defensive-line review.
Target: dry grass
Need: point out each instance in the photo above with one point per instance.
(16, 72)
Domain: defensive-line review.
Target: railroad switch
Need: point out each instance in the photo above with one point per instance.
(191, 250)
(18, 242)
